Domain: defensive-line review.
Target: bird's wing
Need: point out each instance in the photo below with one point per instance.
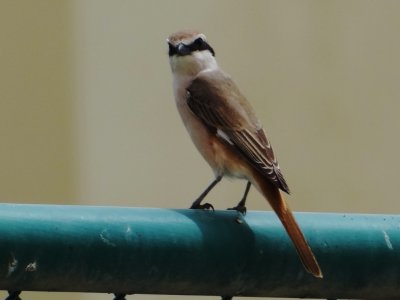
(215, 99)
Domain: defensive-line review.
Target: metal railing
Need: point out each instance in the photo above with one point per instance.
(192, 252)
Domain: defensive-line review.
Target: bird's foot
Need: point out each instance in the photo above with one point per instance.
(205, 206)
(240, 208)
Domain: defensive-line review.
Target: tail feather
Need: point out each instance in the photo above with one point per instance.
(278, 203)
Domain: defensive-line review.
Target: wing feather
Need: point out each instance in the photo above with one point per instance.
(214, 98)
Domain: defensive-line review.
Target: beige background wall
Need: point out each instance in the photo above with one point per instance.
(87, 114)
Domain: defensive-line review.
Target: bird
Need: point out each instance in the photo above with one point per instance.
(226, 131)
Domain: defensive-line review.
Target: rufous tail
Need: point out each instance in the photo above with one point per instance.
(278, 203)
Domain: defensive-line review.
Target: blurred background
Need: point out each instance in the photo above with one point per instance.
(87, 114)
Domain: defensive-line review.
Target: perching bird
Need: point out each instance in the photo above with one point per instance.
(227, 133)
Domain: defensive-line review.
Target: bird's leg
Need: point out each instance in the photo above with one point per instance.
(197, 203)
(241, 207)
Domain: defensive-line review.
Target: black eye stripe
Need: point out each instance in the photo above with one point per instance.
(197, 45)
(172, 50)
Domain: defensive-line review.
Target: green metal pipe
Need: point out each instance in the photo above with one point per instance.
(170, 251)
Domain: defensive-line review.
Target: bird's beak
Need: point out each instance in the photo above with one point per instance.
(182, 49)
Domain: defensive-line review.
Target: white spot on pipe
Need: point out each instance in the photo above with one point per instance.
(105, 239)
(12, 265)
(31, 267)
(387, 240)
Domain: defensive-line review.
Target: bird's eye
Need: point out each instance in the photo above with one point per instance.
(198, 43)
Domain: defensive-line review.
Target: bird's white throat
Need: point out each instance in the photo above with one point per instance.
(193, 64)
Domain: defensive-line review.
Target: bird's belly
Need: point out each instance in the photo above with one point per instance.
(200, 135)
(221, 157)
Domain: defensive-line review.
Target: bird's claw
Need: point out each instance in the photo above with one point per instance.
(205, 206)
(239, 208)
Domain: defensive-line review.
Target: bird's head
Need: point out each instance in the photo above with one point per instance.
(189, 53)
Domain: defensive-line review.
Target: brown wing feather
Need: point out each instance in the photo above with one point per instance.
(216, 100)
